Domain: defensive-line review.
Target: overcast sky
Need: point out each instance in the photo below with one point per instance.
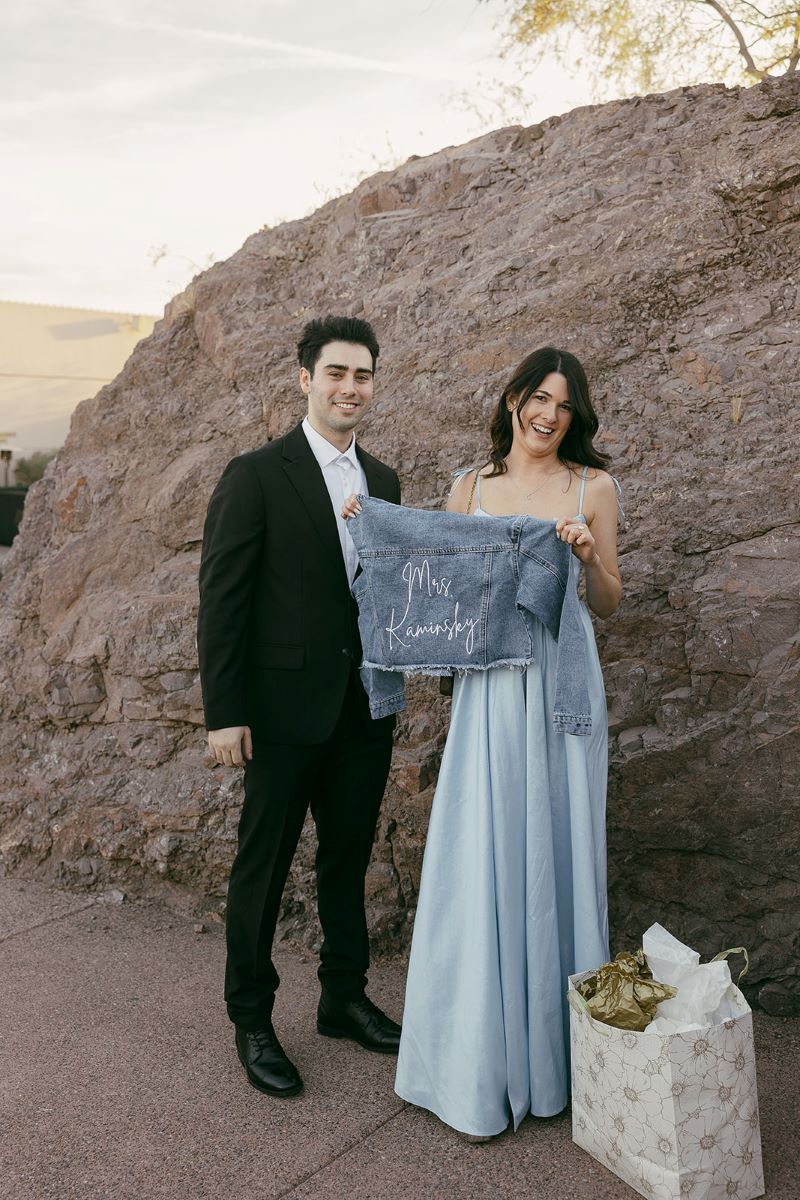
(137, 141)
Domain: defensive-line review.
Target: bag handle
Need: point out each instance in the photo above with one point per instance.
(576, 1000)
(735, 950)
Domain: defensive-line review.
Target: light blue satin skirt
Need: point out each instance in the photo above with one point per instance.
(512, 899)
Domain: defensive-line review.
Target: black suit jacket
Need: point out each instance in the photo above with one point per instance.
(277, 631)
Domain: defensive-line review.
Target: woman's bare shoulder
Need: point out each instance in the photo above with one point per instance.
(594, 475)
(602, 493)
(461, 490)
(601, 481)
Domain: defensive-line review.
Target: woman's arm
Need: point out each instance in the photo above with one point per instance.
(595, 545)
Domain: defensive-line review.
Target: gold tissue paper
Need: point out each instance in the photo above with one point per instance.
(623, 992)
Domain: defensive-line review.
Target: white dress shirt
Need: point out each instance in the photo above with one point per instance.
(343, 475)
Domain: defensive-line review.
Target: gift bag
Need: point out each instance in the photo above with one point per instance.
(675, 1116)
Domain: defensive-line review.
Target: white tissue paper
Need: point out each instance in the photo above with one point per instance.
(706, 993)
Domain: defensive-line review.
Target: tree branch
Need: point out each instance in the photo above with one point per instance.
(770, 66)
(764, 16)
(794, 56)
(744, 50)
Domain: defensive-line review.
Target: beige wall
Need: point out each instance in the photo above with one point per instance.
(52, 358)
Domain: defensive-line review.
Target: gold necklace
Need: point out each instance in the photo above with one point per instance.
(538, 488)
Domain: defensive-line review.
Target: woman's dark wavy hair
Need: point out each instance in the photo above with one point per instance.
(577, 444)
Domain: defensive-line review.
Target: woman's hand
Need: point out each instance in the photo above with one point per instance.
(351, 507)
(576, 533)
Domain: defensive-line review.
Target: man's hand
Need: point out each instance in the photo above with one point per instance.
(231, 747)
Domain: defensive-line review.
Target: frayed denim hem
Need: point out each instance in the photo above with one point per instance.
(433, 669)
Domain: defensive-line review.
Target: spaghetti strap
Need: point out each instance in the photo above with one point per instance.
(584, 473)
(459, 475)
(621, 518)
(478, 488)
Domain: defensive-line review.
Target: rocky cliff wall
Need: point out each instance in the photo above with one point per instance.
(658, 238)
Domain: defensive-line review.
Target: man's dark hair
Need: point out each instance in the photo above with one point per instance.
(318, 333)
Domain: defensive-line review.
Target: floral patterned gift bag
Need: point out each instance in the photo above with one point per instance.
(674, 1116)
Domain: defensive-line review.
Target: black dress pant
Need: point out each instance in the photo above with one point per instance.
(342, 780)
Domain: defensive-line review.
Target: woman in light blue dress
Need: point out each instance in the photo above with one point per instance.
(513, 891)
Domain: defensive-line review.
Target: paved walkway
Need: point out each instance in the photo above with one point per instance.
(118, 1079)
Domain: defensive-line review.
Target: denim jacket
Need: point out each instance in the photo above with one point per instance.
(442, 592)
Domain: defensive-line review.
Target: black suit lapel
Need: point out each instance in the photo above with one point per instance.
(378, 479)
(303, 472)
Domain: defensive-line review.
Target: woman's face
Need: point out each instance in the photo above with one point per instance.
(546, 417)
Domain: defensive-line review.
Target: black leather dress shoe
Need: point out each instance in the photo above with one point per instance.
(361, 1021)
(266, 1063)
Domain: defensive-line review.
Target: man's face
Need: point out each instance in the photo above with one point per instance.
(339, 391)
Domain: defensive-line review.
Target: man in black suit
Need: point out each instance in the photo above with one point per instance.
(279, 654)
